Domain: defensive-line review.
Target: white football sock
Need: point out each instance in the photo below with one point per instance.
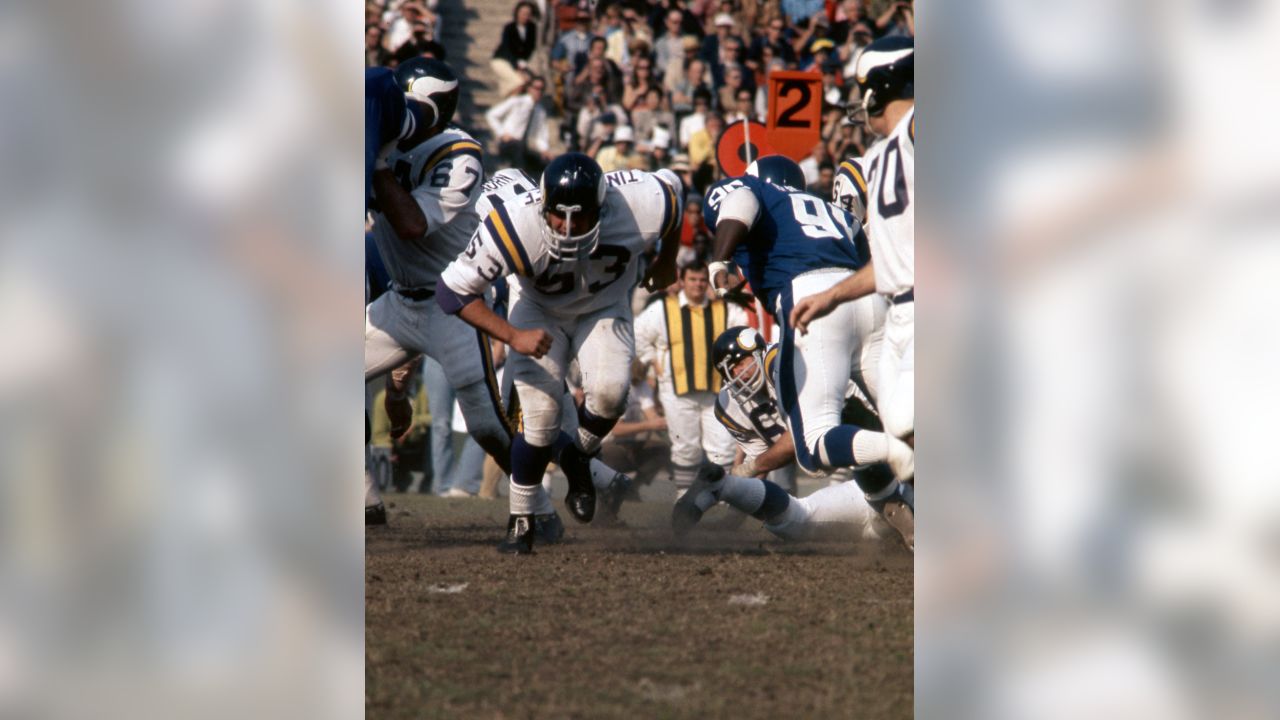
(870, 447)
(524, 499)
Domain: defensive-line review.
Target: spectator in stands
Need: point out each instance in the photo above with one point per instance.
(820, 56)
(724, 27)
(520, 125)
(730, 56)
(674, 73)
(421, 43)
(570, 50)
(849, 14)
(685, 88)
(702, 144)
(776, 38)
(897, 19)
(741, 108)
(612, 75)
(644, 115)
(620, 154)
(670, 44)
(374, 53)
(519, 40)
(860, 36)
(639, 83)
(594, 80)
(695, 121)
(728, 93)
(637, 35)
(798, 11)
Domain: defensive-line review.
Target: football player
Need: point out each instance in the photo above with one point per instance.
(791, 244)
(886, 75)
(849, 189)
(425, 189)
(574, 247)
(747, 407)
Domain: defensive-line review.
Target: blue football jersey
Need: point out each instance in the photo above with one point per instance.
(795, 232)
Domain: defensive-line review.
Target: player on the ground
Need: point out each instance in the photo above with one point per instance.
(791, 244)
(424, 189)
(886, 74)
(747, 406)
(574, 247)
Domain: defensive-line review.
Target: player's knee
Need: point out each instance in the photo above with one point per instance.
(607, 402)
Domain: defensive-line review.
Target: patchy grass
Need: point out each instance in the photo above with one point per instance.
(628, 622)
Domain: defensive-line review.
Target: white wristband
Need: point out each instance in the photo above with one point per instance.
(715, 268)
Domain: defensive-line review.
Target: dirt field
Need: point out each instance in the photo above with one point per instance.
(628, 622)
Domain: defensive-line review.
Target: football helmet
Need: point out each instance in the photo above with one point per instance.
(433, 84)
(886, 71)
(572, 187)
(729, 349)
(779, 170)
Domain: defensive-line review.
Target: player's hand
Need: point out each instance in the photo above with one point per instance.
(659, 276)
(810, 309)
(534, 343)
(383, 154)
(658, 423)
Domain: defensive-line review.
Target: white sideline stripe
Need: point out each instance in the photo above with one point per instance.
(757, 599)
(448, 589)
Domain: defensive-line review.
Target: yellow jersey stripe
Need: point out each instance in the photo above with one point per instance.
(512, 252)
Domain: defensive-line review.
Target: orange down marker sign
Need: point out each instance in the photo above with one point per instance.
(795, 112)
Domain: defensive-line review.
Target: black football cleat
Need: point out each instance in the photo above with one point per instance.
(520, 532)
(609, 500)
(549, 529)
(375, 515)
(581, 500)
(700, 497)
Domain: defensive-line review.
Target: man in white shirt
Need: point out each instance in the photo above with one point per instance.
(520, 124)
(676, 335)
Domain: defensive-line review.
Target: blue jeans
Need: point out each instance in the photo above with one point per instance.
(463, 469)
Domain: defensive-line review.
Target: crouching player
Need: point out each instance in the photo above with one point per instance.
(747, 407)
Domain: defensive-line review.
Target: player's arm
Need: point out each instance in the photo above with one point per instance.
(461, 288)
(398, 204)
(534, 343)
(738, 212)
(808, 309)
(778, 455)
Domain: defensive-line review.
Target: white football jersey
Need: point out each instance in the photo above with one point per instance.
(891, 218)
(443, 174)
(503, 187)
(638, 209)
(849, 189)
